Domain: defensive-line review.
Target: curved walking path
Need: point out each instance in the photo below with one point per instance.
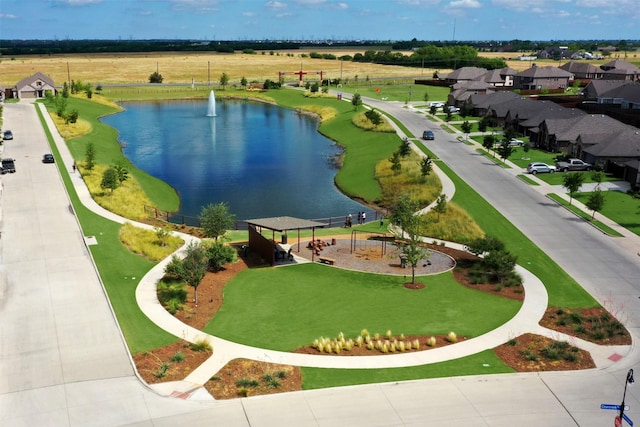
(525, 321)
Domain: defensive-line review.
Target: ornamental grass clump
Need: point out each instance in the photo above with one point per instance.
(431, 342)
(452, 337)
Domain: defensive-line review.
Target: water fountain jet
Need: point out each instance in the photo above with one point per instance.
(211, 108)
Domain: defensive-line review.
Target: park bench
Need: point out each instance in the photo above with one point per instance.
(327, 260)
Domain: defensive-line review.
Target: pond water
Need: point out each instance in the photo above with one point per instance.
(262, 160)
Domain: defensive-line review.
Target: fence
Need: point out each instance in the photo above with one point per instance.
(191, 221)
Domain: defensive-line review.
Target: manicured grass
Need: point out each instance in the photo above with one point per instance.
(485, 362)
(108, 151)
(620, 207)
(260, 305)
(556, 178)
(393, 91)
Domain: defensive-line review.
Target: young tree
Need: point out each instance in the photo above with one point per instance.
(572, 182)
(505, 150)
(61, 105)
(403, 216)
(243, 81)
(109, 179)
(488, 142)
(72, 117)
(597, 176)
(405, 148)
(466, 126)
(595, 202)
(190, 269)
(426, 166)
(215, 220)
(396, 166)
(425, 97)
(441, 205)
(122, 173)
(356, 99)
(90, 156)
(224, 80)
(374, 117)
(65, 90)
(433, 109)
(483, 124)
(448, 116)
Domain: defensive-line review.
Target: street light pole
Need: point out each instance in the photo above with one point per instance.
(629, 381)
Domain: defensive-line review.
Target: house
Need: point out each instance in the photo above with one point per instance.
(597, 88)
(620, 70)
(617, 152)
(35, 86)
(582, 70)
(554, 52)
(502, 77)
(464, 74)
(461, 92)
(537, 78)
(483, 103)
(563, 134)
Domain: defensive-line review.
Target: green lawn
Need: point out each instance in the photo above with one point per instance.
(587, 216)
(261, 305)
(108, 151)
(485, 362)
(620, 207)
(397, 92)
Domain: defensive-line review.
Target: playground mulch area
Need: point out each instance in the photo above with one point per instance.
(378, 256)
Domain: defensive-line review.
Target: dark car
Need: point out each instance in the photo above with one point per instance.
(8, 166)
(428, 135)
(7, 135)
(48, 158)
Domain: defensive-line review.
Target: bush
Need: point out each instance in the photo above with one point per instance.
(178, 357)
(201, 345)
(245, 382)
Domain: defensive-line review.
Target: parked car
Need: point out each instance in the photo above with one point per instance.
(48, 158)
(539, 167)
(7, 135)
(516, 142)
(8, 166)
(452, 109)
(437, 104)
(573, 165)
(428, 135)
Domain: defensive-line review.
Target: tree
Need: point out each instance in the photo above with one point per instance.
(425, 97)
(405, 148)
(426, 166)
(190, 269)
(500, 264)
(595, 202)
(90, 156)
(484, 245)
(314, 88)
(448, 116)
(488, 142)
(572, 182)
(122, 173)
(597, 176)
(224, 80)
(215, 220)
(243, 81)
(61, 105)
(441, 205)
(433, 109)
(483, 124)
(505, 150)
(396, 166)
(220, 254)
(374, 117)
(403, 216)
(466, 126)
(526, 147)
(109, 179)
(72, 117)
(155, 77)
(356, 99)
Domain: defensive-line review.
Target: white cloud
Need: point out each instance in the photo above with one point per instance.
(78, 2)
(274, 4)
(145, 13)
(249, 14)
(465, 4)
(341, 5)
(7, 16)
(310, 1)
(284, 15)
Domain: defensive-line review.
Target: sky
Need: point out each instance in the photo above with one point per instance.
(209, 20)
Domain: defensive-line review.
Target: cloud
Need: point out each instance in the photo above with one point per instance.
(78, 2)
(249, 14)
(7, 16)
(275, 5)
(284, 15)
(465, 4)
(200, 6)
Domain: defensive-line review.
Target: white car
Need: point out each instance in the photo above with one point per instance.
(516, 142)
(539, 167)
(437, 104)
(452, 109)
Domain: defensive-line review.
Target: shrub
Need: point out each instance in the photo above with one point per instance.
(243, 392)
(162, 370)
(431, 342)
(273, 383)
(281, 374)
(201, 345)
(178, 357)
(452, 337)
(246, 382)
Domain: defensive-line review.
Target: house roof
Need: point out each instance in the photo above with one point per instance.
(620, 64)
(570, 129)
(622, 144)
(520, 109)
(553, 111)
(485, 101)
(580, 68)
(629, 92)
(466, 73)
(28, 81)
(544, 72)
(283, 223)
(596, 88)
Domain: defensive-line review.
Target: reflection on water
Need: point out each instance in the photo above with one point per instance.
(261, 159)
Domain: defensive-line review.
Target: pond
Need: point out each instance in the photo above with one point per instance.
(262, 160)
